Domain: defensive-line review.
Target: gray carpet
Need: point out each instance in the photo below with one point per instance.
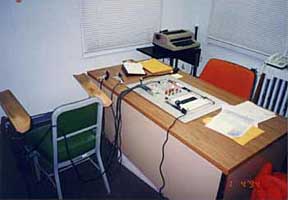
(17, 179)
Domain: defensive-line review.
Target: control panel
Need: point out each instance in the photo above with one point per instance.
(178, 98)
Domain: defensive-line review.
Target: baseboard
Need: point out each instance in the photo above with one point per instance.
(131, 167)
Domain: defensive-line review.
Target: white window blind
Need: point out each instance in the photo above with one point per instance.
(256, 25)
(112, 24)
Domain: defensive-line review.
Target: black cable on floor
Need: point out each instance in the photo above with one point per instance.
(118, 120)
(117, 138)
(118, 115)
(163, 156)
(116, 146)
(75, 166)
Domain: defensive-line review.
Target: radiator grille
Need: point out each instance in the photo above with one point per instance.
(274, 92)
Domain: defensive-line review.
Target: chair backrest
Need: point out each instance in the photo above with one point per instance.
(76, 118)
(229, 76)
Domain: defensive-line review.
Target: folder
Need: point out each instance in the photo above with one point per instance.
(249, 135)
(154, 66)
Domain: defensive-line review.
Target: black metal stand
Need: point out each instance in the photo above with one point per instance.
(191, 56)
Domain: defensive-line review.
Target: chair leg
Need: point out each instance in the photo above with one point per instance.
(2, 125)
(36, 168)
(99, 159)
(57, 181)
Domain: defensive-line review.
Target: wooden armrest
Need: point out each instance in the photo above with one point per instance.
(15, 111)
(92, 89)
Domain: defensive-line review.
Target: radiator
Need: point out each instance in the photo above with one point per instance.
(274, 91)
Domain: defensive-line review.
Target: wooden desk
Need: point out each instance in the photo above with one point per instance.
(195, 156)
(191, 56)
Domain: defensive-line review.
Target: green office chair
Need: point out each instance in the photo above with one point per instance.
(72, 138)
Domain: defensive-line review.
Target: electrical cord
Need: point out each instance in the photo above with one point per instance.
(115, 144)
(41, 140)
(118, 113)
(111, 97)
(68, 152)
(118, 126)
(111, 155)
(163, 156)
(107, 168)
(118, 120)
(118, 117)
(75, 166)
(101, 83)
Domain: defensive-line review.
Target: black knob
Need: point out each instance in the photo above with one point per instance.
(183, 110)
(158, 36)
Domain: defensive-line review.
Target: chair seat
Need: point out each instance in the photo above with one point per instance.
(78, 144)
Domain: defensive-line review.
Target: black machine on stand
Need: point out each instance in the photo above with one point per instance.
(175, 45)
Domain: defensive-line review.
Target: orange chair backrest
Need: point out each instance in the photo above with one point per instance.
(229, 76)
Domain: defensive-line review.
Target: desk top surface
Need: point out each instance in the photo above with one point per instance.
(221, 151)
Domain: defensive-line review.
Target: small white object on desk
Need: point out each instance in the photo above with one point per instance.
(177, 76)
(133, 68)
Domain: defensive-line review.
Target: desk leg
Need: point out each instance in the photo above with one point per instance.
(195, 70)
(192, 70)
(197, 60)
(3, 125)
(176, 63)
(221, 188)
(172, 62)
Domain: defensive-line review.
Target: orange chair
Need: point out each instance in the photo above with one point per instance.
(269, 185)
(229, 76)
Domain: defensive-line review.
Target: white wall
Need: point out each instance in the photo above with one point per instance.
(41, 49)
(193, 12)
(185, 14)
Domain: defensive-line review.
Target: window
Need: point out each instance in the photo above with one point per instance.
(112, 24)
(259, 26)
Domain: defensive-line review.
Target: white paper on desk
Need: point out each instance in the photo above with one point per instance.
(229, 123)
(253, 111)
(134, 68)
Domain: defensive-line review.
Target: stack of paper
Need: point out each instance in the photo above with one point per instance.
(253, 111)
(133, 68)
(237, 121)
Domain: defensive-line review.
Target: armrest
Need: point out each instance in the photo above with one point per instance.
(15, 112)
(92, 89)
